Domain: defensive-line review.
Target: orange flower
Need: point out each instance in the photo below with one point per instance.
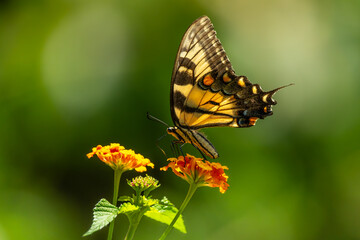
(117, 157)
(202, 173)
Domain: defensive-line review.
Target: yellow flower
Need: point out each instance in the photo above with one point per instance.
(117, 157)
(202, 173)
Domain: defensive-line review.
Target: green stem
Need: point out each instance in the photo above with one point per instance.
(134, 223)
(191, 191)
(117, 176)
(131, 231)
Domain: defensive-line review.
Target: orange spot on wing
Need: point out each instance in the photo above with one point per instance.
(253, 120)
(208, 80)
(226, 78)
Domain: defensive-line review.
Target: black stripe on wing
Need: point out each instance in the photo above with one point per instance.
(200, 52)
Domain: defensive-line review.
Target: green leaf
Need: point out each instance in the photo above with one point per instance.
(127, 207)
(150, 202)
(164, 212)
(104, 213)
(124, 199)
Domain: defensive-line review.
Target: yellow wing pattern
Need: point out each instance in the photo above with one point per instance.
(205, 92)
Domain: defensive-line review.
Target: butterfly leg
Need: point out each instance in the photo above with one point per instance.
(176, 146)
(158, 146)
(201, 152)
(180, 147)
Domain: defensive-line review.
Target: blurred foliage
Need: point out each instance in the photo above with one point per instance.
(74, 74)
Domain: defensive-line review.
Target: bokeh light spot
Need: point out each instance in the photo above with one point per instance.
(83, 59)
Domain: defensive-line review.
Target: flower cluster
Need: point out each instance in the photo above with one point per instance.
(202, 173)
(143, 184)
(117, 157)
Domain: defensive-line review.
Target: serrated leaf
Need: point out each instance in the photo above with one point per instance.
(164, 212)
(127, 207)
(104, 213)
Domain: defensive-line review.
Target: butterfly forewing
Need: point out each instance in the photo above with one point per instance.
(200, 52)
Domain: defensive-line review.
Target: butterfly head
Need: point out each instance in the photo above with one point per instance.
(172, 131)
(177, 133)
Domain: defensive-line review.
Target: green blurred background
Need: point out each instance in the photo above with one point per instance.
(77, 73)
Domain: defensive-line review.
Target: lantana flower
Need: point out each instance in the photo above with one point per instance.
(197, 173)
(202, 173)
(117, 157)
(143, 184)
(120, 160)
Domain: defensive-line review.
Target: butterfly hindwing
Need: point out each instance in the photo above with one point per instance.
(220, 101)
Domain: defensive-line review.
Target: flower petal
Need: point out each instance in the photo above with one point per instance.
(195, 170)
(116, 156)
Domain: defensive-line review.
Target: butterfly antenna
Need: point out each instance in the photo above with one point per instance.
(151, 117)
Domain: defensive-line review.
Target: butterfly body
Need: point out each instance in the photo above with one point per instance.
(206, 92)
(195, 138)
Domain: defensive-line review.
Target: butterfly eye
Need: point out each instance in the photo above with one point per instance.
(169, 130)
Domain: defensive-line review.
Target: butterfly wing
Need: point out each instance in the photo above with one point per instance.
(205, 92)
(233, 102)
(198, 45)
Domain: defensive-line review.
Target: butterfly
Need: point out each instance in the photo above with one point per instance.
(206, 92)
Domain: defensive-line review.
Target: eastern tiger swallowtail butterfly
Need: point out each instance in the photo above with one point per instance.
(205, 92)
